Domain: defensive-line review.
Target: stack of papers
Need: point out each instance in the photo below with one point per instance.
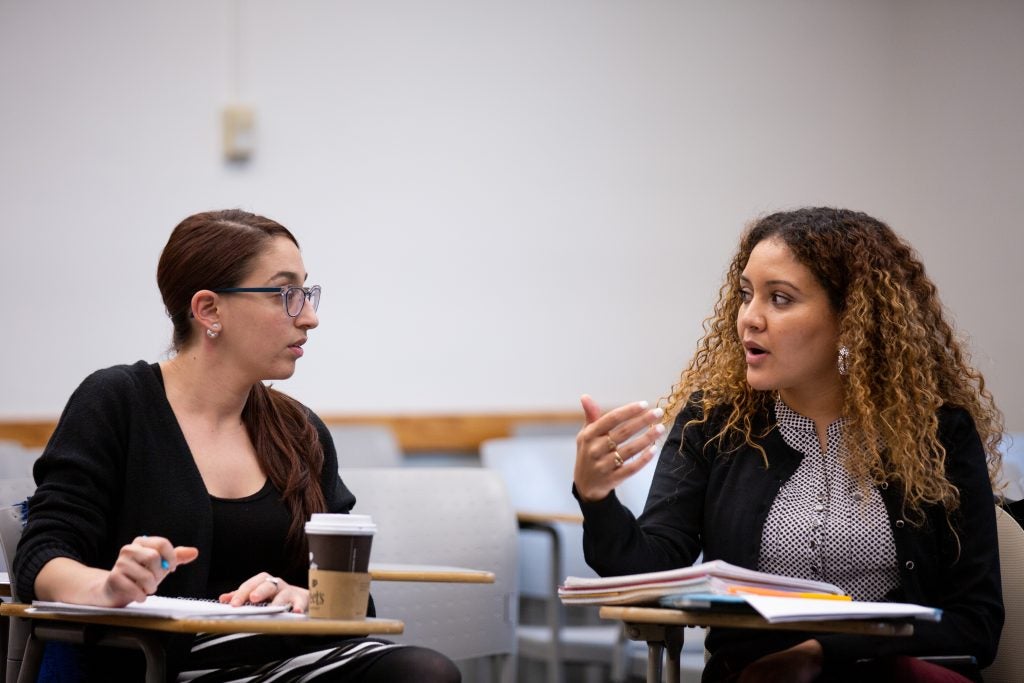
(158, 606)
(716, 577)
(723, 588)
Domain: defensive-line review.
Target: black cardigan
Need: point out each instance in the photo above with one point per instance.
(705, 500)
(118, 467)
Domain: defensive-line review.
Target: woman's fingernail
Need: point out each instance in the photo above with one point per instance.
(642, 404)
(653, 450)
(659, 429)
(658, 412)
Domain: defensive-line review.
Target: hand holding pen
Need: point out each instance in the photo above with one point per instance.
(141, 566)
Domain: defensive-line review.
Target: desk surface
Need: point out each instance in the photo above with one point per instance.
(279, 624)
(428, 573)
(537, 517)
(675, 617)
(378, 572)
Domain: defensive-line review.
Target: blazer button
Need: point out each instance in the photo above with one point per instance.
(910, 564)
(899, 523)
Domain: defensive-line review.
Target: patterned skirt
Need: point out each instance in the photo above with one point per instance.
(262, 658)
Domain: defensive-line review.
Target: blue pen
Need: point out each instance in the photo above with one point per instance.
(164, 564)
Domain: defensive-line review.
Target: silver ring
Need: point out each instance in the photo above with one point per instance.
(276, 582)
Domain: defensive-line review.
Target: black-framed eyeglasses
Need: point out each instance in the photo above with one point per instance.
(294, 297)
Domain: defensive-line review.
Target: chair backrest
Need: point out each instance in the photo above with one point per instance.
(1012, 448)
(365, 445)
(448, 516)
(16, 490)
(16, 461)
(529, 429)
(13, 493)
(1009, 662)
(538, 473)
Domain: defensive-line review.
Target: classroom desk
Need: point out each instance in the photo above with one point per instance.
(148, 634)
(536, 517)
(281, 624)
(142, 632)
(662, 629)
(428, 573)
(378, 572)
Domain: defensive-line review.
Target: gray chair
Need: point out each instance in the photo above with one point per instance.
(1009, 662)
(365, 445)
(531, 429)
(12, 494)
(1012, 448)
(16, 461)
(447, 516)
(538, 472)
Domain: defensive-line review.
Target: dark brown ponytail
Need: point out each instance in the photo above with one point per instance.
(289, 451)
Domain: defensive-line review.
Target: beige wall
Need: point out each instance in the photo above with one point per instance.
(507, 204)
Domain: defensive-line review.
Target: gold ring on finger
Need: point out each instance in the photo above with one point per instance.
(618, 459)
(612, 446)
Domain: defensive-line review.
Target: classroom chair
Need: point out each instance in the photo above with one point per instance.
(16, 461)
(365, 445)
(1012, 448)
(538, 471)
(1009, 661)
(454, 517)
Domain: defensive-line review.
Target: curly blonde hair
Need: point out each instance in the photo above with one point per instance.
(905, 360)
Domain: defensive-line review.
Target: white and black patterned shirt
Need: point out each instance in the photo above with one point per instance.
(819, 526)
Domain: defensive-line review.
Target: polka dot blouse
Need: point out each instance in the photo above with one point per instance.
(820, 526)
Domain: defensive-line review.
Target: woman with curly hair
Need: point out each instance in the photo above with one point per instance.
(828, 427)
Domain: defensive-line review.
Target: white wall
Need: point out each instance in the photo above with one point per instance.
(507, 203)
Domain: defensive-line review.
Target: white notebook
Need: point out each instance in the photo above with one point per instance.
(158, 606)
(776, 610)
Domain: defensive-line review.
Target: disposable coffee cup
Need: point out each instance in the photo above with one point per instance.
(339, 559)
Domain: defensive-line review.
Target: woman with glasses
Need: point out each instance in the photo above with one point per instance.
(828, 427)
(190, 477)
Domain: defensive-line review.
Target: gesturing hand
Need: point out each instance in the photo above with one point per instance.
(141, 566)
(613, 446)
(266, 588)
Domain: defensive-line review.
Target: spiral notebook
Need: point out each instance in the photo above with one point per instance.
(161, 607)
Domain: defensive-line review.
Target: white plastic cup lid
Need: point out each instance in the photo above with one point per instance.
(329, 523)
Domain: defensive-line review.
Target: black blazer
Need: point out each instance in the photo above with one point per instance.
(705, 500)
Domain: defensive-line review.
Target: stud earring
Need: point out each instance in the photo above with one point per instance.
(843, 360)
(213, 331)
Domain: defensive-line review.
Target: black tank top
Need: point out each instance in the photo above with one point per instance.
(248, 538)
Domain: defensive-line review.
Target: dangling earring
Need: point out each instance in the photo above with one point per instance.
(843, 360)
(213, 331)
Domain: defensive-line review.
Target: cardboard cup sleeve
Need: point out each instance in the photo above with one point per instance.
(338, 595)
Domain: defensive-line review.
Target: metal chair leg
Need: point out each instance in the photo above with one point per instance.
(662, 641)
(32, 660)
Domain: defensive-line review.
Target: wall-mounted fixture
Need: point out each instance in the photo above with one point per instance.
(239, 132)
